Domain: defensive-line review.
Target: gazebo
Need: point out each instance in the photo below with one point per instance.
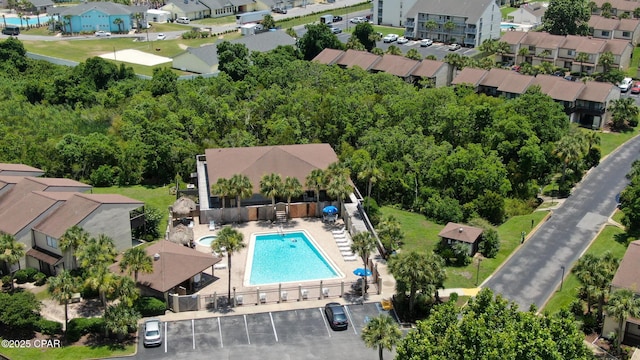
(182, 209)
(181, 234)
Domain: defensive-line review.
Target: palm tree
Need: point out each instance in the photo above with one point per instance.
(97, 251)
(488, 46)
(271, 186)
(118, 319)
(315, 181)
(523, 52)
(622, 305)
(240, 187)
(582, 57)
(455, 61)
(221, 188)
(363, 245)
(339, 188)
(125, 290)
(231, 241)
(135, 260)
(502, 47)
(584, 272)
(606, 10)
(102, 280)
(413, 54)
(394, 50)
(636, 12)
(607, 61)
(390, 232)
(449, 26)
(118, 22)
(68, 19)
(291, 188)
(415, 271)
(381, 332)
(11, 251)
(622, 110)
(372, 173)
(4, 20)
(606, 269)
(61, 288)
(72, 240)
(568, 150)
(430, 26)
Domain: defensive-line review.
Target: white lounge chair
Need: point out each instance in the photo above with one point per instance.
(239, 299)
(346, 252)
(325, 292)
(304, 293)
(212, 225)
(220, 266)
(343, 241)
(344, 247)
(337, 232)
(350, 258)
(263, 298)
(339, 236)
(283, 296)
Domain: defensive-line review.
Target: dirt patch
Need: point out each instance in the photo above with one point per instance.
(464, 274)
(183, 46)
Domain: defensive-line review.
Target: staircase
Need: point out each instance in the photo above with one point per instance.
(281, 216)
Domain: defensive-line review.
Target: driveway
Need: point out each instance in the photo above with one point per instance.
(534, 272)
(289, 334)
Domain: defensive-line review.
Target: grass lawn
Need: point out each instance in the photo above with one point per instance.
(604, 242)
(610, 141)
(312, 18)
(68, 352)
(157, 197)
(632, 71)
(422, 235)
(505, 11)
(617, 216)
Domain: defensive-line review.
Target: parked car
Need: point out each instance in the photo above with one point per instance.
(337, 18)
(357, 20)
(426, 42)
(571, 78)
(279, 10)
(635, 89)
(625, 84)
(454, 47)
(102, 33)
(390, 38)
(336, 316)
(161, 36)
(152, 333)
(402, 40)
(336, 30)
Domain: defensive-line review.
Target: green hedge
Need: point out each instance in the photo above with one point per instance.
(49, 327)
(83, 326)
(25, 275)
(40, 279)
(150, 306)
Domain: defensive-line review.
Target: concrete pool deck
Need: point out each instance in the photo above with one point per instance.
(324, 239)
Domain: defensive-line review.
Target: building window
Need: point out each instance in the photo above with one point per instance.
(626, 34)
(570, 52)
(51, 242)
(605, 33)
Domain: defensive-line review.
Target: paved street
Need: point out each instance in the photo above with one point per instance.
(534, 272)
(290, 334)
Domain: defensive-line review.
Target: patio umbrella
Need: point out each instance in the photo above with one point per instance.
(362, 272)
(183, 207)
(330, 209)
(181, 234)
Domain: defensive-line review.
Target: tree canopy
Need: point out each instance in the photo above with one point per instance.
(567, 17)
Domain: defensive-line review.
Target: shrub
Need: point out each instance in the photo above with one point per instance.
(40, 279)
(150, 306)
(6, 281)
(83, 326)
(21, 276)
(49, 327)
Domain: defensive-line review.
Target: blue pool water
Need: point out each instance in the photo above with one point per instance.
(507, 26)
(206, 240)
(33, 20)
(291, 257)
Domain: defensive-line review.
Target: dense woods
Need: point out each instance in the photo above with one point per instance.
(448, 153)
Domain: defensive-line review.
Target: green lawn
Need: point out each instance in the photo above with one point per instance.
(632, 71)
(311, 18)
(157, 197)
(617, 216)
(506, 10)
(422, 235)
(610, 141)
(68, 352)
(604, 242)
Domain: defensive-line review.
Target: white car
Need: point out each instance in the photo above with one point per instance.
(625, 84)
(402, 40)
(357, 20)
(426, 42)
(152, 333)
(102, 33)
(454, 47)
(161, 36)
(390, 38)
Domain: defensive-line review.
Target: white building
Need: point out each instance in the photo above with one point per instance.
(467, 22)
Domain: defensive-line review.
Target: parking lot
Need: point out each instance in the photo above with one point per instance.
(289, 334)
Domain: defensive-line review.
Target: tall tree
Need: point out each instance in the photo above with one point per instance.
(567, 17)
(417, 272)
(363, 245)
(372, 174)
(233, 59)
(317, 38)
(118, 319)
(61, 288)
(315, 181)
(97, 251)
(291, 188)
(623, 111)
(449, 26)
(394, 50)
(363, 32)
(382, 332)
(72, 239)
(221, 188)
(430, 25)
(390, 233)
(622, 305)
(231, 241)
(241, 187)
(413, 54)
(339, 187)
(134, 260)
(118, 22)
(582, 57)
(271, 187)
(11, 252)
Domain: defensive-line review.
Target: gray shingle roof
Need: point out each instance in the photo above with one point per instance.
(189, 6)
(108, 8)
(471, 9)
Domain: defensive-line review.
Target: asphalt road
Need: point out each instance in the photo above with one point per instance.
(290, 334)
(534, 272)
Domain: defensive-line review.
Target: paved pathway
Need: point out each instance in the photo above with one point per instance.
(534, 272)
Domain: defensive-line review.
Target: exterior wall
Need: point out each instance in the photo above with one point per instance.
(442, 76)
(489, 24)
(189, 62)
(177, 12)
(21, 173)
(112, 220)
(95, 20)
(521, 16)
(391, 12)
(603, 34)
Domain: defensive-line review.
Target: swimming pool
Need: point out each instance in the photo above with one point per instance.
(287, 257)
(206, 240)
(33, 20)
(507, 26)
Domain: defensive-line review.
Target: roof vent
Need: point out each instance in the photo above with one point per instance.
(156, 256)
(460, 229)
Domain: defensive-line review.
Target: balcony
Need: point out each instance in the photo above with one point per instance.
(410, 23)
(592, 107)
(471, 31)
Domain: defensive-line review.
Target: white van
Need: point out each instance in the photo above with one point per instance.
(183, 20)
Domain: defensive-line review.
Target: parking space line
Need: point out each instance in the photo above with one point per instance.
(246, 328)
(220, 331)
(165, 336)
(193, 333)
(273, 326)
(326, 323)
(348, 312)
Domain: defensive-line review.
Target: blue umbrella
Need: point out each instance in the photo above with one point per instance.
(330, 209)
(362, 272)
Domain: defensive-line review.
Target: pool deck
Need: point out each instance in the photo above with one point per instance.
(321, 233)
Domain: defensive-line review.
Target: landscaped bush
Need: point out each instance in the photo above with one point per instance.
(150, 306)
(6, 281)
(31, 274)
(49, 327)
(83, 326)
(21, 276)
(40, 279)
